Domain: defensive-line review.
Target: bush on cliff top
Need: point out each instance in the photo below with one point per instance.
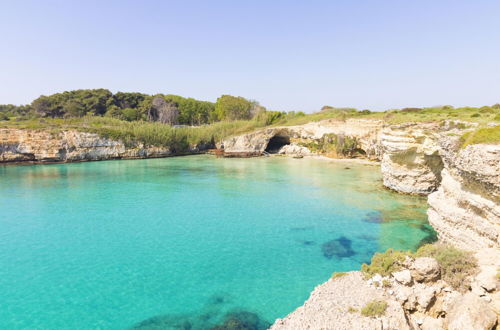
(481, 135)
(457, 266)
(385, 263)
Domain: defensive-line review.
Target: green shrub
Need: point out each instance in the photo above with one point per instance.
(374, 308)
(486, 109)
(481, 135)
(475, 115)
(352, 310)
(456, 265)
(338, 275)
(3, 116)
(385, 263)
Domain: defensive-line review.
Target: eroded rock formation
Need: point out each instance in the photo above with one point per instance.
(411, 162)
(465, 210)
(415, 297)
(365, 132)
(18, 145)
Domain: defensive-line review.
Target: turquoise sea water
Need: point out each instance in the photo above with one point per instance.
(160, 243)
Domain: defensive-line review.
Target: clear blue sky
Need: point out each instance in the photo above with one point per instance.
(288, 55)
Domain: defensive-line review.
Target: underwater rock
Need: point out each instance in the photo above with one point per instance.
(373, 217)
(308, 243)
(430, 236)
(340, 247)
(242, 320)
(366, 237)
(162, 322)
(301, 228)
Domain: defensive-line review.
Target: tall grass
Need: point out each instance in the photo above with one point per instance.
(481, 135)
(149, 133)
(156, 134)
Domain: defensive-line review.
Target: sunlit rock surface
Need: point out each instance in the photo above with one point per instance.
(18, 145)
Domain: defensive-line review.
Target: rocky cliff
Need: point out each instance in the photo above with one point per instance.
(365, 133)
(411, 162)
(416, 297)
(19, 145)
(465, 210)
(463, 185)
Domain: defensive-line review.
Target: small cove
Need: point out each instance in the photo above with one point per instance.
(187, 240)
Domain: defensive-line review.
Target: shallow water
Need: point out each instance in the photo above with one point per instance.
(183, 241)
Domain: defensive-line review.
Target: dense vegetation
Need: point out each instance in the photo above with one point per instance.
(482, 135)
(133, 107)
(149, 118)
(456, 265)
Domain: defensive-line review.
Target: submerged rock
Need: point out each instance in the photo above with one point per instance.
(373, 217)
(242, 321)
(340, 247)
(167, 321)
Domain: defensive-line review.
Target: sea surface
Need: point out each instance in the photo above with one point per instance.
(187, 242)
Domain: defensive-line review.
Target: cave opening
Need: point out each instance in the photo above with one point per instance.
(276, 143)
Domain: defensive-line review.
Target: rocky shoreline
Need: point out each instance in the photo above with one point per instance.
(24, 146)
(462, 185)
(463, 189)
(415, 297)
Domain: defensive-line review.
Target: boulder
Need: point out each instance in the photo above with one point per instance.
(470, 312)
(487, 279)
(293, 149)
(425, 269)
(403, 277)
(431, 323)
(425, 297)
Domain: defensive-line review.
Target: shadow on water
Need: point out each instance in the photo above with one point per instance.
(340, 248)
(214, 316)
(373, 217)
(430, 235)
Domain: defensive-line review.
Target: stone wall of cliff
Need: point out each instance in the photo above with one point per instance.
(365, 132)
(411, 162)
(20, 145)
(465, 210)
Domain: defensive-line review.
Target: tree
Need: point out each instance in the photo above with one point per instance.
(233, 108)
(163, 111)
(130, 114)
(74, 108)
(44, 107)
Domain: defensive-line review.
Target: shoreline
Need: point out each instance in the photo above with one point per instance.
(360, 161)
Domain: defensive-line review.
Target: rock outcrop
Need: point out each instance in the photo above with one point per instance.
(416, 298)
(19, 145)
(365, 132)
(336, 303)
(465, 210)
(411, 162)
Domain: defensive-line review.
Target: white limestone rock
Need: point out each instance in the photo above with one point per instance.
(470, 312)
(403, 277)
(425, 269)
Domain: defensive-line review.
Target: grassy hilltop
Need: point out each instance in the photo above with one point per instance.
(180, 122)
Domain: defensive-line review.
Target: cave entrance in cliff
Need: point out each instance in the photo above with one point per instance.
(276, 143)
